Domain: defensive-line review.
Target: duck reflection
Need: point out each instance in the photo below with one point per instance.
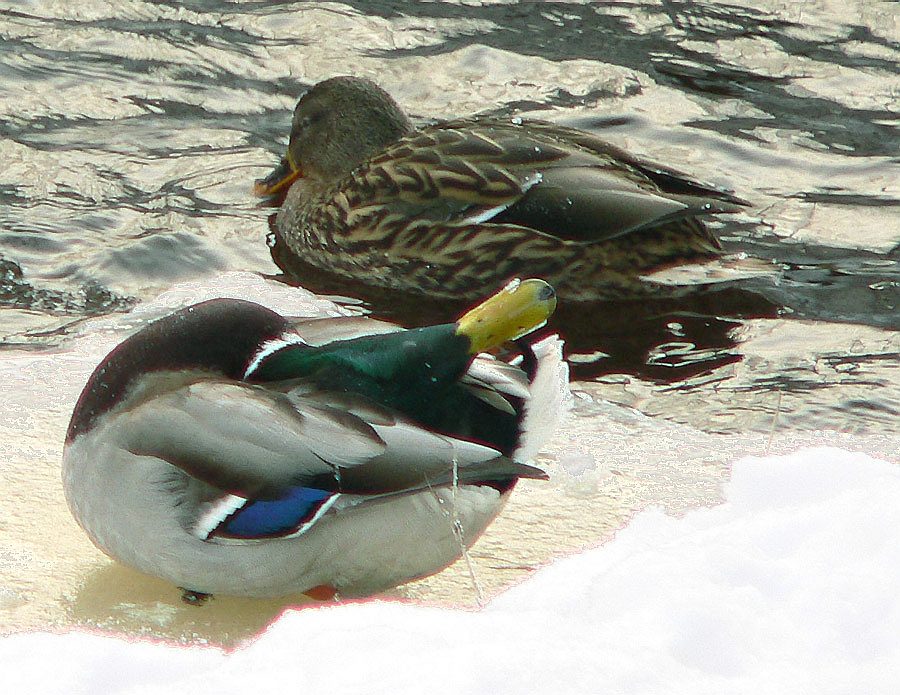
(122, 600)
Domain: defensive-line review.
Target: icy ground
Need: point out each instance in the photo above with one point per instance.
(790, 586)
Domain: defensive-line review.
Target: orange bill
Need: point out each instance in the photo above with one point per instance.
(278, 181)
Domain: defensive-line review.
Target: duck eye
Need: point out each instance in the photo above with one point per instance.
(304, 121)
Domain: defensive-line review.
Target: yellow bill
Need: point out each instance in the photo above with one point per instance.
(519, 308)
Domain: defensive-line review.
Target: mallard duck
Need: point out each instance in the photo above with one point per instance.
(227, 450)
(456, 206)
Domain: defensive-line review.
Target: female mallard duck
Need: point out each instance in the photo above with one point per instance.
(228, 450)
(460, 205)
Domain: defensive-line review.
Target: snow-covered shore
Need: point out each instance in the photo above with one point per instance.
(789, 586)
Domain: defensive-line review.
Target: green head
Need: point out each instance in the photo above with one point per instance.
(417, 371)
(432, 354)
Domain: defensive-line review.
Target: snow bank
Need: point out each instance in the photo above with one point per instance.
(790, 586)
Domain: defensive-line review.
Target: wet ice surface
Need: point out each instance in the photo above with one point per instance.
(132, 132)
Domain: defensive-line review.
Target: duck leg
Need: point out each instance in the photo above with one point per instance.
(194, 598)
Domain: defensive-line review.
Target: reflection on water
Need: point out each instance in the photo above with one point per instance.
(116, 597)
(131, 133)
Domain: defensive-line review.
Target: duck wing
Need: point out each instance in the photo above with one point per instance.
(245, 440)
(669, 181)
(321, 331)
(250, 463)
(558, 181)
(257, 443)
(591, 204)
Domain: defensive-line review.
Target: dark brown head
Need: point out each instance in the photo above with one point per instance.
(337, 124)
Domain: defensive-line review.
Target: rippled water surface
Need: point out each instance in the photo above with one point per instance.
(132, 132)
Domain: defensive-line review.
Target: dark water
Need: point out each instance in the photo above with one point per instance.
(132, 133)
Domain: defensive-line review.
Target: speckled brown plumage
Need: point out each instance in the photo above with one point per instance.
(459, 206)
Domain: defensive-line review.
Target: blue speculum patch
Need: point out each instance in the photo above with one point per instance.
(280, 517)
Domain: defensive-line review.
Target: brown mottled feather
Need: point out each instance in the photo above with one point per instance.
(457, 208)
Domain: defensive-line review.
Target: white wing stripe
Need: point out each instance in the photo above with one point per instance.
(216, 513)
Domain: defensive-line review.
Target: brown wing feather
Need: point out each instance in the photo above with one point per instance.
(452, 206)
(556, 180)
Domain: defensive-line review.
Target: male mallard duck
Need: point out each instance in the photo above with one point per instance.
(228, 450)
(460, 205)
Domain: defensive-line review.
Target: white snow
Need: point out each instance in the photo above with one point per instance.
(790, 586)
